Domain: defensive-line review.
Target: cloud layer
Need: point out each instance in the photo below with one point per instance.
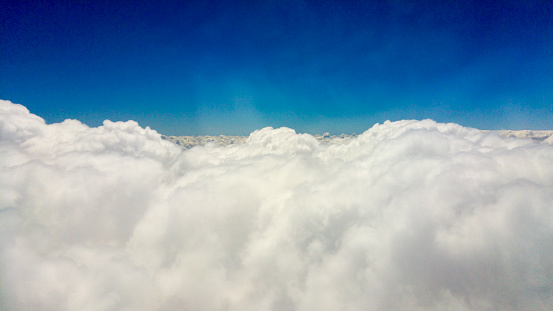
(409, 215)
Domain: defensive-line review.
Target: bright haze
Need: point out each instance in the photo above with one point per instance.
(231, 67)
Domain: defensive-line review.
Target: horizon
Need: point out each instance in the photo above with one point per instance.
(210, 68)
(257, 129)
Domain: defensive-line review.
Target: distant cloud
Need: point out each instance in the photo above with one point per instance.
(409, 215)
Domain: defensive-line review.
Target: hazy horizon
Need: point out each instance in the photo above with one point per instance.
(310, 133)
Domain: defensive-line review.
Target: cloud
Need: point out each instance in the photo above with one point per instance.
(409, 215)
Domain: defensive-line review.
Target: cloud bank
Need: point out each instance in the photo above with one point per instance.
(409, 215)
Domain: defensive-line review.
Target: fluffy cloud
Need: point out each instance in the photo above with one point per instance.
(410, 215)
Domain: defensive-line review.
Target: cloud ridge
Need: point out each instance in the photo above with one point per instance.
(411, 215)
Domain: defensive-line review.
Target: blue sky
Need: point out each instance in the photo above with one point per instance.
(230, 67)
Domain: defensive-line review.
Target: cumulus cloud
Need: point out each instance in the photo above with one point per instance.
(410, 215)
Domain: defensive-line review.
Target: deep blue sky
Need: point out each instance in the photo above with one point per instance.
(214, 67)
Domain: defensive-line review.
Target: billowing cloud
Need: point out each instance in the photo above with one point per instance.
(410, 215)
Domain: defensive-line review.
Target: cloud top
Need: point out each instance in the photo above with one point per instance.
(409, 215)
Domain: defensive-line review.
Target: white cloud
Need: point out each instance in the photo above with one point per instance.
(410, 215)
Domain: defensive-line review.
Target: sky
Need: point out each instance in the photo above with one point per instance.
(230, 67)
